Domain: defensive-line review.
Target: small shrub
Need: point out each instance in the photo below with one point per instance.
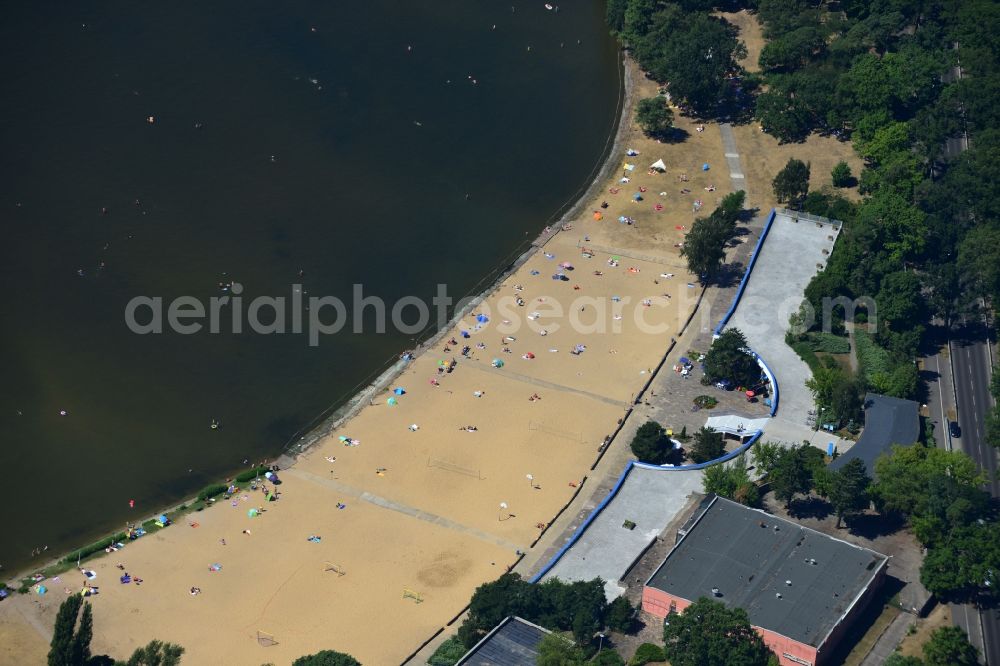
(706, 401)
(646, 653)
(212, 491)
(828, 343)
(250, 474)
(448, 653)
(96, 547)
(841, 175)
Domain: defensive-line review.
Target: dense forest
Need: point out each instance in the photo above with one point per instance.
(912, 84)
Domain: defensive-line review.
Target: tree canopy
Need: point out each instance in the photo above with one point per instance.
(652, 445)
(792, 183)
(729, 358)
(707, 632)
(327, 658)
(654, 116)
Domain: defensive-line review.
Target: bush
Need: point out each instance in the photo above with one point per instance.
(448, 653)
(708, 445)
(841, 175)
(212, 491)
(705, 401)
(828, 343)
(872, 359)
(250, 474)
(646, 653)
(96, 547)
(619, 616)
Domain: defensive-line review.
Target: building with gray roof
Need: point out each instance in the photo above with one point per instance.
(888, 421)
(800, 588)
(513, 642)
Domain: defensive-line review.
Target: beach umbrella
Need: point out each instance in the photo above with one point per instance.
(598, 215)
(482, 319)
(465, 334)
(629, 167)
(392, 402)
(399, 390)
(566, 265)
(622, 219)
(41, 589)
(685, 360)
(497, 363)
(530, 355)
(705, 167)
(252, 513)
(637, 196)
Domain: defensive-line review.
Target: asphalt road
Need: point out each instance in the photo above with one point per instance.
(972, 368)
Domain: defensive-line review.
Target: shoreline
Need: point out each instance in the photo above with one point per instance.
(364, 392)
(427, 522)
(567, 212)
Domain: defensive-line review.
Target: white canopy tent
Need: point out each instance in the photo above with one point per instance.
(658, 165)
(736, 425)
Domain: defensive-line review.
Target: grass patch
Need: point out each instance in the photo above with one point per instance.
(805, 352)
(448, 653)
(872, 359)
(828, 343)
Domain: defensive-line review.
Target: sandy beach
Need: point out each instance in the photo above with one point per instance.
(399, 508)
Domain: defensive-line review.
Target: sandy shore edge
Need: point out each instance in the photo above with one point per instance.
(344, 411)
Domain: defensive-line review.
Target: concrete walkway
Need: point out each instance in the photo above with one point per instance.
(385, 503)
(736, 177)
(889, 640)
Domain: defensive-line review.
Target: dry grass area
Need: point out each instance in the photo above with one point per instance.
(751, 34)
(865, 644)
(764, 157)
(913, 643)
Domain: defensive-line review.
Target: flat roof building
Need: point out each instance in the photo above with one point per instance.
(800, 588)
(513, 642)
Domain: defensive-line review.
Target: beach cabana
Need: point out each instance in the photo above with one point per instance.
(658, 165)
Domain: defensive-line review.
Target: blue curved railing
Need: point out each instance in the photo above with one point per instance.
(618, 486)
(746, 275)
(743, 448)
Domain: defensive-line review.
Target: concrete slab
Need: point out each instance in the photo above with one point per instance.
(795, 250)
(649, 498)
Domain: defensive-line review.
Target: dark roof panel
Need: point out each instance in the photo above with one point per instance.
(750, 556)
(514, 642)
(888, 421)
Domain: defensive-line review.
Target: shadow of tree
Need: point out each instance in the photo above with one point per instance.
(810, 507)
(872, 525)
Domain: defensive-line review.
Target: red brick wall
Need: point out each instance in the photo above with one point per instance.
(658, 603)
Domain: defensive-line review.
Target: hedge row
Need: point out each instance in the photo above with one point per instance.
(828, 343)
(212, 491)
(872, 359)
(251, 474)
(97, 546)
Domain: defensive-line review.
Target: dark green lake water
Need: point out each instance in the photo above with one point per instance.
(285, 140)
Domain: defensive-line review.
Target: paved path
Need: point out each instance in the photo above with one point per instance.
(482, 367)
(402, 508)
(889, 640)
(736, 176)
